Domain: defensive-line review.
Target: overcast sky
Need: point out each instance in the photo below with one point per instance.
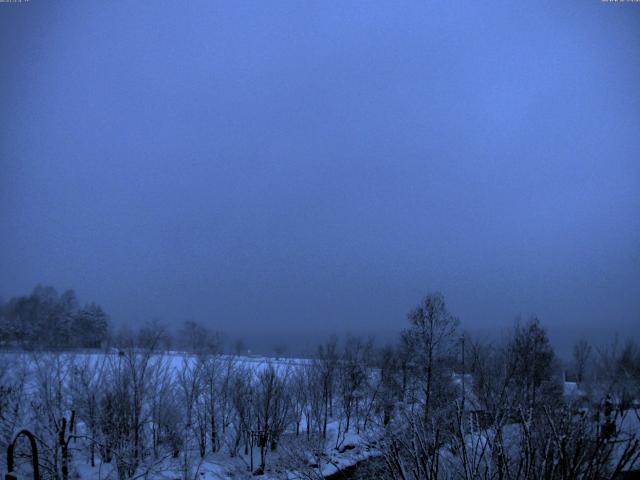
(318, 165)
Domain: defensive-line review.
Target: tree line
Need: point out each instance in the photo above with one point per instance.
(46, 319)
(437, 404)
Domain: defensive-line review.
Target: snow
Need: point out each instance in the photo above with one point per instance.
(340, 450)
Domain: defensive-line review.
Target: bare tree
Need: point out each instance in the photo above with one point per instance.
(431, 340)
(189, 385)
(581, 357)
(316, 394)
(412, 443)
(536, 376)
(326, 364)
(241, 392)
(271, 409)
(197, 338)
(212, 370)
(353, 377)
(86, 390)
(126, 406)
(298, 392)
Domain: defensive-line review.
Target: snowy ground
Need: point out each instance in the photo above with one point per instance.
(283, 464)
(287, 462)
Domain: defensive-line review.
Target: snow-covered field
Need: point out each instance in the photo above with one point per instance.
(183, 393)
(297, 455)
